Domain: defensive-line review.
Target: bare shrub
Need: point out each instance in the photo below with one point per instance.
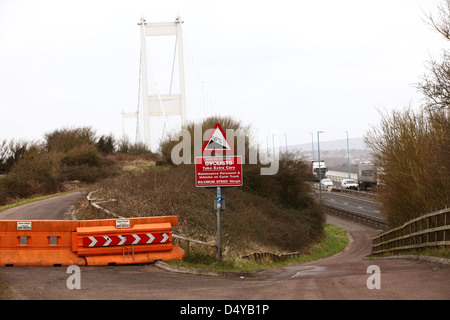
(37, 173)
(64, 140)
(171, 140)
(411, 148)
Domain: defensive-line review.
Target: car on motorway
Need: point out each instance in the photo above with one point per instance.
(327, 183)
(349, 184)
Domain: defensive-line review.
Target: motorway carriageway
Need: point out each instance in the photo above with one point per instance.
(351, 203)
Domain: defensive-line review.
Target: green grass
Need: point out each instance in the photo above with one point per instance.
(430, 252)
(435, 252)
(25, 201)
(336, 240)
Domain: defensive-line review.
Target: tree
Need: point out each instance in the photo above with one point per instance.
(11, 153)
(105, 144)
(435, 85)
(411, 149)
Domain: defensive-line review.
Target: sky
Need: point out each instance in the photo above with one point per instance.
(286, 67)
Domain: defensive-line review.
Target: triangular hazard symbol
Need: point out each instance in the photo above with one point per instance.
(217, 141)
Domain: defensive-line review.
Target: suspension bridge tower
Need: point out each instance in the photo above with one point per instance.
(155, 103)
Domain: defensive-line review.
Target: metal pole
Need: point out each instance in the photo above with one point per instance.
(285, 141)
(273, 145)
(320, 173)
(312, 143)
(348, 156)
(219, 240)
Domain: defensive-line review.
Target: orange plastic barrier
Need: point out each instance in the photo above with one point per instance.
(89, 242)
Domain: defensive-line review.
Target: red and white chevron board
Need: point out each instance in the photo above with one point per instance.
(128, 239)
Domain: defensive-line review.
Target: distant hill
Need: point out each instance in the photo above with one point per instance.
(354, 143)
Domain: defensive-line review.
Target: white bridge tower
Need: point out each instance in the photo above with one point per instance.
(156, 103)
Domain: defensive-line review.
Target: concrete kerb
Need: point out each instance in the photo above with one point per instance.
(183, 270)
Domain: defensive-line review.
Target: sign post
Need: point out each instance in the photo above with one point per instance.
(219, 237)
(218, 171)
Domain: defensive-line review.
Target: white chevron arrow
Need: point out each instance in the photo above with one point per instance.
(137, 239)
(108, 241)
(151, 238)
(94, 241)
(165, 237)
(122, 240)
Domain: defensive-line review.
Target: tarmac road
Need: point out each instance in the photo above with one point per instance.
(349, 203)
(55, 208)
(343, 276)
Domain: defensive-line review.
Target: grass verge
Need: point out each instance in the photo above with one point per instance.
(335, 241)
(429, 252)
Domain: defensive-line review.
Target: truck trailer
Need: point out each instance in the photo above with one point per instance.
(367, 175)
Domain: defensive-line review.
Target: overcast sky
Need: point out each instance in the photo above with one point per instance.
(293, 66)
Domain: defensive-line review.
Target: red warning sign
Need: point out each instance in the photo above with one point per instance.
(217, 142)
(218, 171)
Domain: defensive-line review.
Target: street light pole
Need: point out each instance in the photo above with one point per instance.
(348, 156)
(320, 173)
(285, 141)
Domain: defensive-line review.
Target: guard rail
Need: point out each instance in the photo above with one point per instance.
(428, 231)
(358, 217)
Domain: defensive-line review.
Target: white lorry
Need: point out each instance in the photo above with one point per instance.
(367, 175)
(315, 170)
